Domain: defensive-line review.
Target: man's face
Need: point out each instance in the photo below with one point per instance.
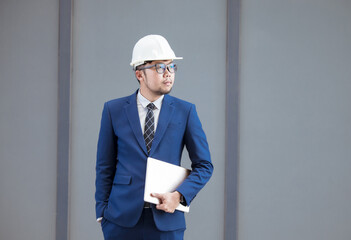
(154, 84)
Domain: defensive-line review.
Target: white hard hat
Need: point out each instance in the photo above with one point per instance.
(150, 48)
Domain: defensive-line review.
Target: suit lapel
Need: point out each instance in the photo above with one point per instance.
(131, 110)
(166, 113)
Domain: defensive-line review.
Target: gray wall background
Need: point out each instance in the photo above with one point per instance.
(28, 118)
(295, 134)
(295, 115)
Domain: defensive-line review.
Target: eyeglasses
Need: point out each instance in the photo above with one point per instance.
(161, 67)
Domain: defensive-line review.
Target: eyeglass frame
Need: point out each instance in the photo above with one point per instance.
(164, 69)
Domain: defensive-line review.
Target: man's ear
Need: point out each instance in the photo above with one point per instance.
(139, 75)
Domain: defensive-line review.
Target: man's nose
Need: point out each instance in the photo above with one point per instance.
(167, 72)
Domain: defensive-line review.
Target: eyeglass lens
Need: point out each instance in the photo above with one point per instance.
(161, 67)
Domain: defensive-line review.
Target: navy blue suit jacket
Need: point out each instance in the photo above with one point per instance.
(122, 155)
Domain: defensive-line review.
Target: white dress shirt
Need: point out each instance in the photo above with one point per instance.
(142, 103)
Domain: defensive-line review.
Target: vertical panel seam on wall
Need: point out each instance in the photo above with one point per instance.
(63, 128)
(232, 119)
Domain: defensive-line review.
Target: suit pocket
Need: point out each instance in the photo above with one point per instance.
(122, 179)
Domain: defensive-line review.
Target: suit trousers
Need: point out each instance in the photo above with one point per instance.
(145, 229)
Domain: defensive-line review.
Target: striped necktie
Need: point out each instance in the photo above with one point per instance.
(149, 126)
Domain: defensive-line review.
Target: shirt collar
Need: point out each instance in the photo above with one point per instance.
(144, 102)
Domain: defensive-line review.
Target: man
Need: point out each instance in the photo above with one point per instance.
(148, 123)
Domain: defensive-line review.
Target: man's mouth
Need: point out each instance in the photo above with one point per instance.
(167, 83)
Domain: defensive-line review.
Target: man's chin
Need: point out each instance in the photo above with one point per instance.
(165, 91)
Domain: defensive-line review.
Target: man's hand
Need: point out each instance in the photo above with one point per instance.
(168, 201)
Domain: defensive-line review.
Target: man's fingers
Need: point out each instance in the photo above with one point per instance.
(160, 206)
(167, 204)
(157, 195)
(164, 208)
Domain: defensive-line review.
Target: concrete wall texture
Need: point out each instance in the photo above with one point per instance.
(294, 135)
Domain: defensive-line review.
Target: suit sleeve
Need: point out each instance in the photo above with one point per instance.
(106, 161)
(199, 153)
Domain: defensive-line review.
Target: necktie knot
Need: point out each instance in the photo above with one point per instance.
(151, 106)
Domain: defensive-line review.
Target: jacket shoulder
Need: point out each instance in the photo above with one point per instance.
(120, 102)
(117, 101)
(180, 102)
